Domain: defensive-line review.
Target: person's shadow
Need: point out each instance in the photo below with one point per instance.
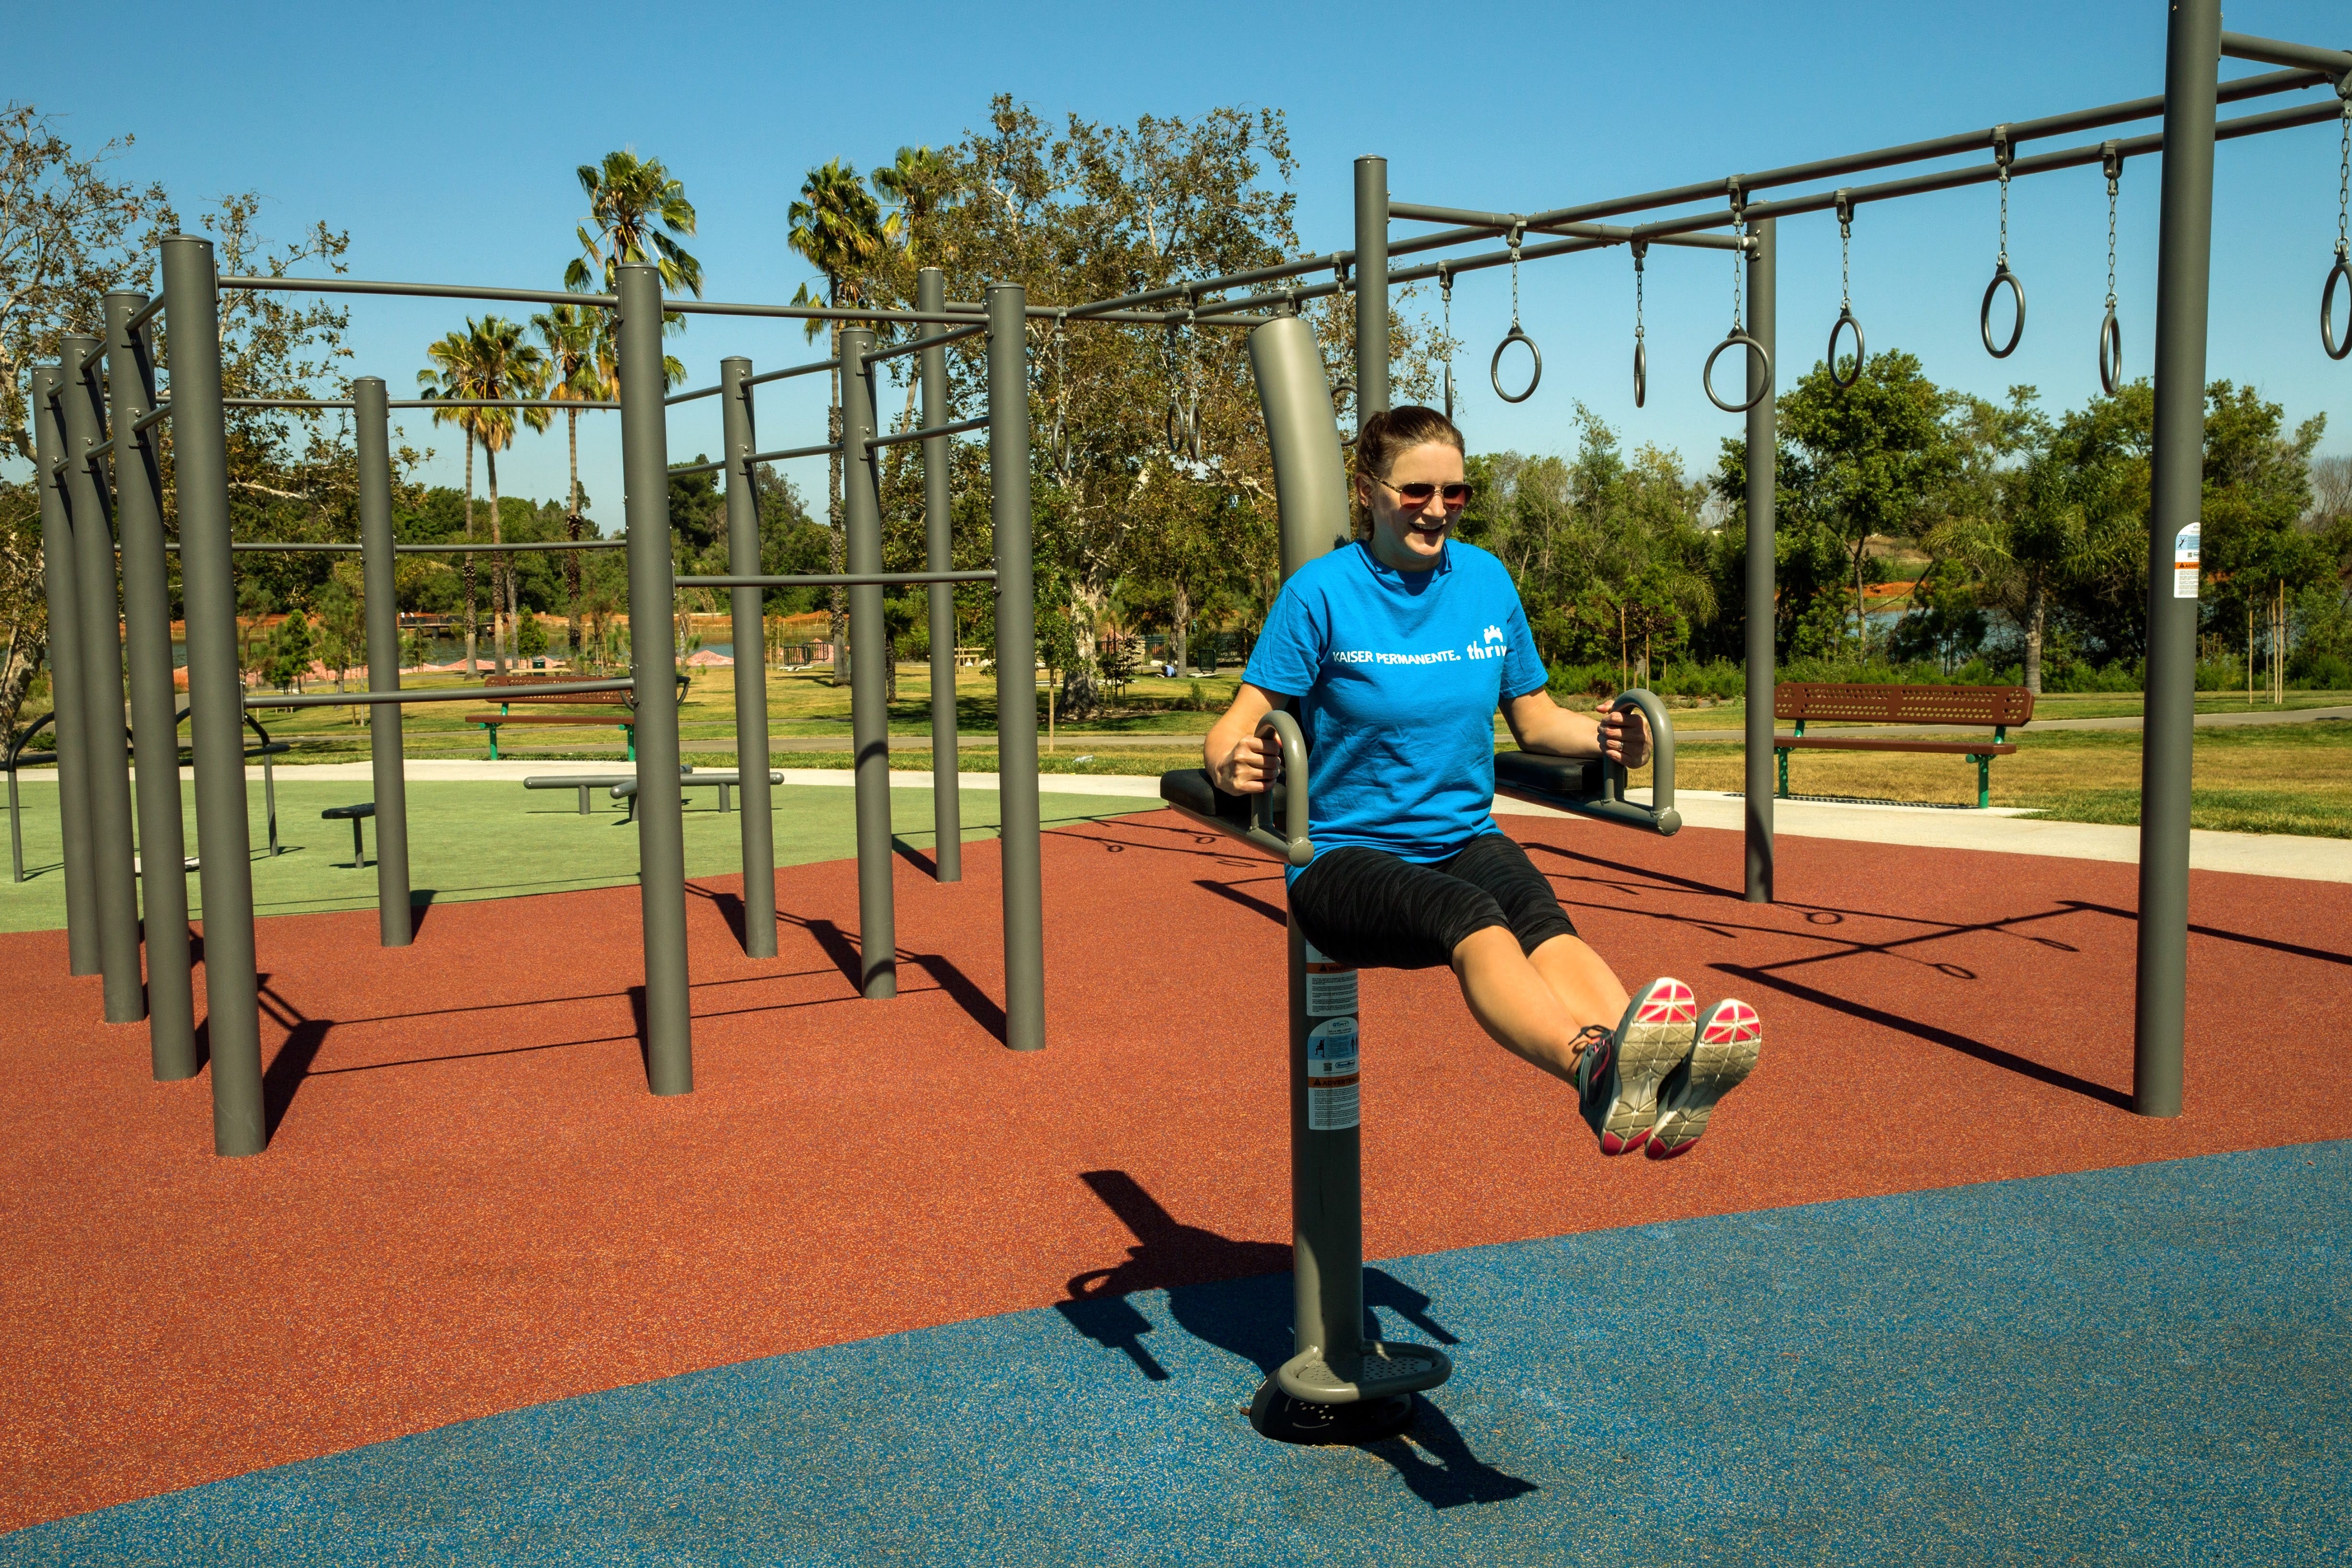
(1235, 1294)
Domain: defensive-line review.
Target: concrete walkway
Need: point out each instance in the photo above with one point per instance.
(1999, 831)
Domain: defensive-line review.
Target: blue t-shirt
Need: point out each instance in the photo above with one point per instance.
(1398, 676)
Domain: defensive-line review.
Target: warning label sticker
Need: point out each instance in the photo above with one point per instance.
(2184, 562)
(1333, 1077)
(1330, 993)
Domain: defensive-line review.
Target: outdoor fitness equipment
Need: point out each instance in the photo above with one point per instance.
(1845, 294)
(1339, 1385)
(1640, 249)
(2194, 48)
(1494, 365)
(2111, 331)
(1759, 385)
(1185, 396)
(2342, 271)
(73, 408)
(2004, 153)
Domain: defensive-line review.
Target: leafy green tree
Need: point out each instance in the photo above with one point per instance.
(291, 647)
(531, 638)
(636, 212)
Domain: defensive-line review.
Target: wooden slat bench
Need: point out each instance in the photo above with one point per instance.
(617, 709)
(2003, 707)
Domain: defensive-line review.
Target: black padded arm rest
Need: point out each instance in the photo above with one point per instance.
(1193, 790)
(1573, 777)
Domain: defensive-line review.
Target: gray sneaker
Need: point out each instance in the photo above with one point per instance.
(1730, 1038)
(1619, 1088)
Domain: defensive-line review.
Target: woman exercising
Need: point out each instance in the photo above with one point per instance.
(1397, 649)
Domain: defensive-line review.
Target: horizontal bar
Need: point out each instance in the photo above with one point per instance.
(847, 580)
(798, 313)
(96, 352)
(1485, 224)
(958, 428)
(920, 344)
(786, 456)
(1985, 173)
(421, 291)
(100, 450)
(689, 396)
(160, 412)
(2277, 52)
(471, 694)
(144, 314)
(564, 402)
(790, 371)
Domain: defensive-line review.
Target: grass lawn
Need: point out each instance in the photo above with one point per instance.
(497, 840)
(2285, 778)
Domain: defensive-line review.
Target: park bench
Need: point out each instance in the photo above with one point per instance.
(2001, 707)
(616, 708)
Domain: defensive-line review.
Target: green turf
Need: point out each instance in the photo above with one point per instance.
(495, 840)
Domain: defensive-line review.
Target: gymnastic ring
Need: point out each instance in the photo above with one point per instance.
(2111, 354)
(2001, 275)
(1494, 366)
(2339, 273)
(1641, 372)
(1706, 375)
(1846, 318)
(1449, 391)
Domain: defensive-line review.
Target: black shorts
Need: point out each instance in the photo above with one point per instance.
(1370, 910)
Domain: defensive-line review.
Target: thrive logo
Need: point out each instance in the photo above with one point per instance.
(1493, 645)
(1494, 634)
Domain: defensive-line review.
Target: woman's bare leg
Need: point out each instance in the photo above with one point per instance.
(1537, 1009)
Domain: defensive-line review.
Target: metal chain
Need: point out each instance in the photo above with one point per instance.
(1519, 233)
(1445, 289)
(2344, 185)
(1738, 257)
(2112, 176)
(1845, 260)
(1641, 253)
(2002, 154)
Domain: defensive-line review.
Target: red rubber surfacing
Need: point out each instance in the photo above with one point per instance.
(471, 1203)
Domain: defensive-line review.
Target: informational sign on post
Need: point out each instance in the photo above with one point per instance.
(2184, 562)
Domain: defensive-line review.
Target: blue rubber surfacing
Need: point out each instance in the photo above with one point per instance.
(2150, 1364)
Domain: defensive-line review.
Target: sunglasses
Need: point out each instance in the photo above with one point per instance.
(1457, 496)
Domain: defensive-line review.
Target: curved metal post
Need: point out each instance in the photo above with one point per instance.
(89, 512)
(216, 696)
(1763, 458)
(938, 555)
(372, 429)
(758, 828)
(68, 728)
(661, 825)
(1016, 668)
(155, 709)
(2183, 276)
(870, 668)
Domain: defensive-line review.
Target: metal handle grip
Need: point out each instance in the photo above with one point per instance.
(1290, 844)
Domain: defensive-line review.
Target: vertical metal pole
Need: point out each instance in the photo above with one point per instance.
(2183, 272)
(1371, 288)
(1327, 1191)
(395, 923)
(88, 512)
(216, 695)
(1016, 668)
(661, 822)
(1763, 460)
(938, 555)
(68, 728)
(154, 711)
(758, 827)
(870, 654)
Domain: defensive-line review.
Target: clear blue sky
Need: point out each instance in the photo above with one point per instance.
(444, 137)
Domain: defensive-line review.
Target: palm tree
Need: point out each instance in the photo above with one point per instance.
(489, 360)
(917, 182)
(573, 338)
(836, 227)
(635, 208)
(449, 379)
